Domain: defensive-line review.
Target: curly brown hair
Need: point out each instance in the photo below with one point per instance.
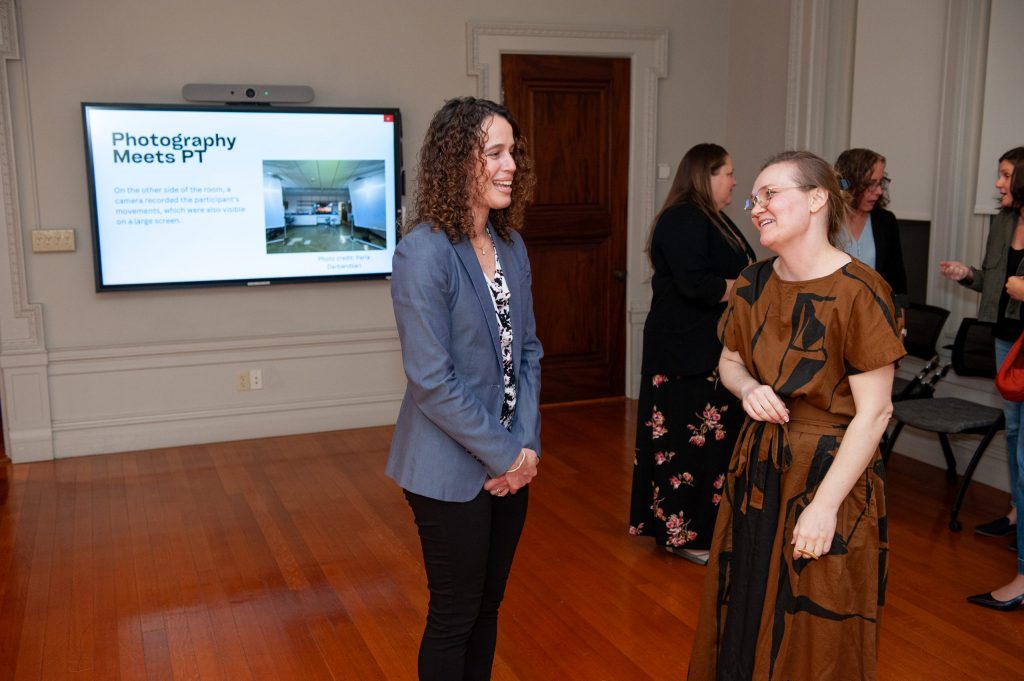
(855, 166)
(454, 141)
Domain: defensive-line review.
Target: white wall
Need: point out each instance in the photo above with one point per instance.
(897, 86)
(138, 370)
(132, 370)
(749, 40)
(1002, 127)
(273, 202)
(916, 100)
(756, 112)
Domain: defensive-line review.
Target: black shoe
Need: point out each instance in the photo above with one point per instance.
(999, 527)
(987, 601)
(694, 556)
(1013, 544)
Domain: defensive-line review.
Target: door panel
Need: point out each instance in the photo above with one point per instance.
(574, 113)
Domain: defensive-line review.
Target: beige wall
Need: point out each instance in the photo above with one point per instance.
(897, 88)
(141, 369)
(88, 373)
(352, 54)
(757, 86)
(1004, 98)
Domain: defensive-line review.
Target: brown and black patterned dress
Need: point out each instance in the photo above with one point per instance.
(764, 615)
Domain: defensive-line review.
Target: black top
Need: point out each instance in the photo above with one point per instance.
(889, 252)
(692, 259)
(1008, 329)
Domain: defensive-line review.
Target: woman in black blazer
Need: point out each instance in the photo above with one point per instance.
(864, 173)
(686, 421)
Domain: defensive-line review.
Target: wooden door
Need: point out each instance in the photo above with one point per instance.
(574, 113)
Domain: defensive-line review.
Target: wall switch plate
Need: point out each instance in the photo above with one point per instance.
(53, 240)
(256, 379)
(242, 381)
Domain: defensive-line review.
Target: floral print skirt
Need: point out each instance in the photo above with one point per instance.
(686, 428)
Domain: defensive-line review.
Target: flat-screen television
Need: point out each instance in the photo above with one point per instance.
(243, 195)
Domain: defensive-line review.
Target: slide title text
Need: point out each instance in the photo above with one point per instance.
(167, 148)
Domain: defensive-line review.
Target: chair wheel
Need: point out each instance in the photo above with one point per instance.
(955, 525)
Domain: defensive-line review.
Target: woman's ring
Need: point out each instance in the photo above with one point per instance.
(808, 554)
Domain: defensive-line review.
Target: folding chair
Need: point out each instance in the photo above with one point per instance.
(924, 324)
(973, 355)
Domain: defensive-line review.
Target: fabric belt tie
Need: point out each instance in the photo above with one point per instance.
(770, 444)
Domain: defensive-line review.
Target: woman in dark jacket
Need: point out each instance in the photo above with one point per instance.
(1000, 279)
(871, 234)
(686, 421)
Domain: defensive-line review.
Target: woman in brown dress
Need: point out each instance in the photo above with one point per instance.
(798, 564)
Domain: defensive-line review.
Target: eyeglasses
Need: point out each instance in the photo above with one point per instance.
(883, 184)
(763, 196)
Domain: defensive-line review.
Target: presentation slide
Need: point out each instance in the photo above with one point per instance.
(184, 195)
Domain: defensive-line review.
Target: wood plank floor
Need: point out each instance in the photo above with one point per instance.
(295, 558)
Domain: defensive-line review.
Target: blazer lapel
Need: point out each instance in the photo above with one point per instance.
(476, 275)
(880, 236)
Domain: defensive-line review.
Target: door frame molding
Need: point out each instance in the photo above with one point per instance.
(647, 50)
(24, 361)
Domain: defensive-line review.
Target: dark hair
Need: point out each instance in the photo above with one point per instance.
(1014, 155)
(453, 144)
(1017, 186)
(692, 184)
(855, 166)
(813, 171)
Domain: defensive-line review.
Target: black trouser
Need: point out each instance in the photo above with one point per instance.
(467, 551)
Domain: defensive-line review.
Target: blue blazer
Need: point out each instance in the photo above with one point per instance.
(448, 439)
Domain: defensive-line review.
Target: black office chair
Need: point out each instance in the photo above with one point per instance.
(972, 355)
(924, 324)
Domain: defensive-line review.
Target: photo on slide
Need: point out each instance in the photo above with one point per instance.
(321, 206)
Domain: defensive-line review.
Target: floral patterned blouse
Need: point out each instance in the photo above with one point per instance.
(500, 295)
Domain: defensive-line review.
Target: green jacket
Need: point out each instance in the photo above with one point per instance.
(991, 278)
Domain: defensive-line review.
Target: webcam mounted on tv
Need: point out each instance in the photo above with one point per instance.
(247, 94)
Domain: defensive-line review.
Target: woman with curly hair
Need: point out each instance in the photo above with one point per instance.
(467, 440)
(871, 233)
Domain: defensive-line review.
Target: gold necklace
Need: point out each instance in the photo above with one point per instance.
(483, 249)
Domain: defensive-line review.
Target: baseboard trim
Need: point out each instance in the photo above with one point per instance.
(25, 446)
(108, 435)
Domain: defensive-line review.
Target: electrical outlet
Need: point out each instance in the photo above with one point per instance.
(52, 240)
(256, 379)
(242, 381)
